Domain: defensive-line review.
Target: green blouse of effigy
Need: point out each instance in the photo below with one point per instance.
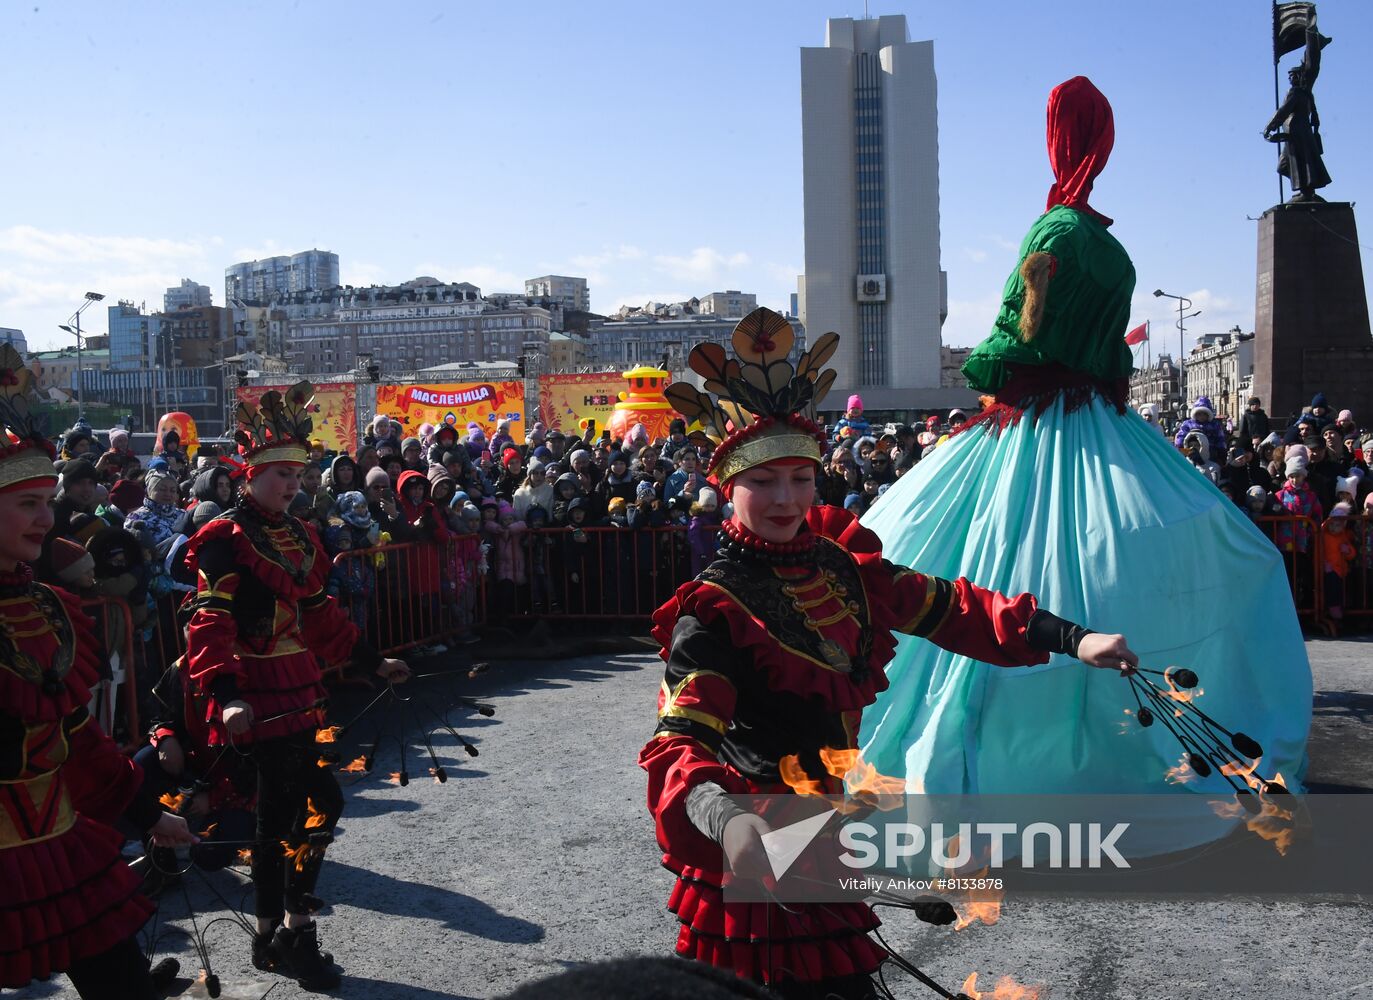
(1086, 307)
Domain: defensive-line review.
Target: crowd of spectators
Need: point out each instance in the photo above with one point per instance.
(588, 525)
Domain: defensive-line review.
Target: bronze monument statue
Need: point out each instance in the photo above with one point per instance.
(1295, 124)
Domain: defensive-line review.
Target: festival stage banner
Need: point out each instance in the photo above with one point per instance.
(565, 401)
(336, 422)
(456, 403)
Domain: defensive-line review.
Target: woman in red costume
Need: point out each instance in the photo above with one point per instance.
(774, 650)
(262, 624)
(68, 903)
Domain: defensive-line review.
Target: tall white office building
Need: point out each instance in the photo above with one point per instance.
(869, 136)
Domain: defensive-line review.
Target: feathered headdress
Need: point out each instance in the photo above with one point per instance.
(277, 427)
(27, 454)
(763, 409)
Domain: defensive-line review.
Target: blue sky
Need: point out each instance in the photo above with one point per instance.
(653, 147)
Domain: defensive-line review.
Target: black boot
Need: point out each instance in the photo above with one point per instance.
(262, 950)
(296, 954)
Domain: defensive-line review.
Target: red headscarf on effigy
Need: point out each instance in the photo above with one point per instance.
(1081, 132)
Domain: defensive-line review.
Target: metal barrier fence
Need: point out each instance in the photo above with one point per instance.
(412, 593)
(114, 627)
(1299, 541)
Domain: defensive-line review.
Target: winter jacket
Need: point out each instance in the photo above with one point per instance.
(1211, 430)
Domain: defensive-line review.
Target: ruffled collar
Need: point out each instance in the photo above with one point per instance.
(261, 512)
(12, 584)
(741, 544)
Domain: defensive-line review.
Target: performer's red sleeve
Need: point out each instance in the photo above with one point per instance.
(695, 707)
(964, 618)
(210, 652)
(327, 629)
(104, 783)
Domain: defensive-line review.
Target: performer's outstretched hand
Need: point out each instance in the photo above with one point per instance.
(393, 671)
(743, 844)
(171, 830)
(1109, 652)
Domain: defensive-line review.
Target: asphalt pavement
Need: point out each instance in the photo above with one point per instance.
(538, 856)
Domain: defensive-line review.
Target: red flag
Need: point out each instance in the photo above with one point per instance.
(1138, 335)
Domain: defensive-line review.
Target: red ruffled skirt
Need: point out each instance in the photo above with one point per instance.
(65, 899)
(767, 943)
(273, 685)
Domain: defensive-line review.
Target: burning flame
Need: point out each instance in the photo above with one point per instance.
(1182, 773)
(328, 734)
(981, 906)
(245, 855)
(299, 855)
(358, 765)
(314, 818)
(1181, 694)
(1246, 771)
(865, 785)
(205, 833)
(1006, 989)
(394, 777)
(173, 802)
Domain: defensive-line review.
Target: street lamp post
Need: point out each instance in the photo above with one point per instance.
(1184, 304)
(91, 299)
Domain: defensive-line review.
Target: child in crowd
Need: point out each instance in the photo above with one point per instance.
(703, 534)
(540, 542)
(1336, 558)
(852, 423)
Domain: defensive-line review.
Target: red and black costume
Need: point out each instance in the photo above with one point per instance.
(261, 626)
(773, 651)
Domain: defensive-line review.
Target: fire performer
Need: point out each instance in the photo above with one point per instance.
(261, 626)
(775, 649)
(69, 903)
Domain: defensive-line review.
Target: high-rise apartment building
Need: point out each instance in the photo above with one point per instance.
(260, 281)
(133, 336)
(729, 304)
(571, 293)
(869, 136)
(187, 295)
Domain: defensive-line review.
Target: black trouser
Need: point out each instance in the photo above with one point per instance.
(289, 780)
(120, 973)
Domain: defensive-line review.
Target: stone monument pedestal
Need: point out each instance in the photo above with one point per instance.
(1311, 331)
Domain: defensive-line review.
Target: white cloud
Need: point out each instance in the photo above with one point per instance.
(704, 265)
(970, 320)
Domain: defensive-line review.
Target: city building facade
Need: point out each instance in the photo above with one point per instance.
(197, 337)
(729, 304)
(664, 340)
(869, 136)
(133, 336)
(416, 325)
(1158, 384)
(187, 295)
(1217, 369)
(568, 352)
(262, 280)
(571, 293)
(15, 338)
(58, 369)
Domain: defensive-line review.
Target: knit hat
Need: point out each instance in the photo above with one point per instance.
(408, 443)
(504, 508)
(676, 426)
(708, 499)
(83, 527)
(1347, 484)
(438, 474)
(377, 476)
(542, 454)
(853, 500)
(77, 470)
(204, 511)
(470, 512)
(154, 476)
(644, 491)
(616, 506)
(127, 495)
(507, 454)
(1345, 417)
(1295, 464)
(1256, 493)
(855, 402)
(1318, 400)
(381, 424)
(119, 437)
(617, 456)
(1341, 509)
(70, 561)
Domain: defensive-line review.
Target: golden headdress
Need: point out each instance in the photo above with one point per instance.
(277, 427)
(763, 409)
(27, 454)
